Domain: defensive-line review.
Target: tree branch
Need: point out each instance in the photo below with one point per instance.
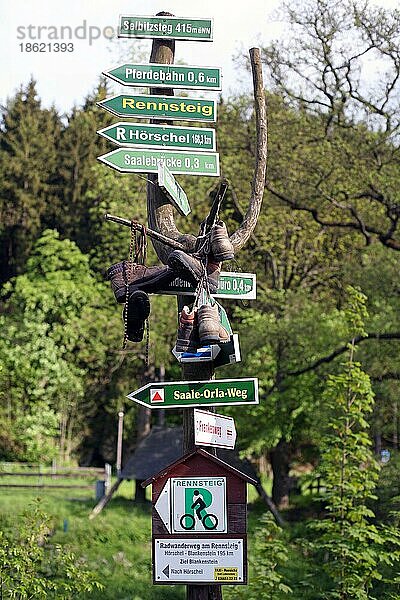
(242, 234)
(330, 357)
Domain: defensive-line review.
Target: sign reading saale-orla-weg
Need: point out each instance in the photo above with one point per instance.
(160, 136)
(130, 160)
(169, 76)
(166, 107)
(178, 28)
(176, 394)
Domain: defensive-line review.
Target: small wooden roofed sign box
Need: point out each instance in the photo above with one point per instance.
(178, 537)
(202, 464)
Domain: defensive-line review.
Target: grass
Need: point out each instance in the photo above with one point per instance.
(116, 544)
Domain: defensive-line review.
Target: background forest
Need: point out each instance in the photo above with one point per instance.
(322, 337)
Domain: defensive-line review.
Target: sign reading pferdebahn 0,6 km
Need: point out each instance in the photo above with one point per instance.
(171, 76)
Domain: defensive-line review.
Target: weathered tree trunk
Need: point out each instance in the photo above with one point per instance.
(280, 462)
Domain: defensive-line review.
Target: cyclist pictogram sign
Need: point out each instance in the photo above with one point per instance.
(198, 504)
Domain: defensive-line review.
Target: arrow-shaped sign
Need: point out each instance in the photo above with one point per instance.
(163, 506)
(167, 107)
(173, 190)
(145, 135)
(177, 394)
(166, 76)
(215, 430)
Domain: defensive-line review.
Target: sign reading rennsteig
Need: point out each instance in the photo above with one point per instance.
(166, 76)
(167, 107)
(178, 28)
(160, 136)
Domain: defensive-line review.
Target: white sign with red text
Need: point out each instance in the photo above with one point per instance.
(211, 429)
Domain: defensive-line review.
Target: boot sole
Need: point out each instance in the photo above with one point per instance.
(146, 284)
(184, 271)
(138, 303)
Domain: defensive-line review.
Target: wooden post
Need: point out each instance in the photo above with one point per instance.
(161, 219)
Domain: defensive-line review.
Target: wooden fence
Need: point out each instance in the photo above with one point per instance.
(29, 475)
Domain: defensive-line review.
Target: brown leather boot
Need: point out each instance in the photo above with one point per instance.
(188, 333)
(191, 269)
(135, 312)
(221, 245)
(138, 277)
(210, 329)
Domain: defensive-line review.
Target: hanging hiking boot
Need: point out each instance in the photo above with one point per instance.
(188, 334)
(135, 313)
(221, 245)
(138, 277)
(210, 329)
(191, 269)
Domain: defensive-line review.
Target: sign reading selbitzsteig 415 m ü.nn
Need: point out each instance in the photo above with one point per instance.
(178, 28)
(166, 76)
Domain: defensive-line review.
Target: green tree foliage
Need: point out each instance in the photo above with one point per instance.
(29, 138)
(354, 546)
(51, 349)
(269, 553)
(32, 567)
(79, 148)
(343, 169)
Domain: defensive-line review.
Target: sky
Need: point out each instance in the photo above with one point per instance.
(65, 78)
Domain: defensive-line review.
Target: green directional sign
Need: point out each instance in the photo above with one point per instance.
(178, 394)
(160, 136)
(177, 28)
(128, 160)
(238, 286)
(169, 76)
(173, 190)
(157, 107)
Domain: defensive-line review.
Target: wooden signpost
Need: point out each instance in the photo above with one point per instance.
(199, 522)
(199, 502)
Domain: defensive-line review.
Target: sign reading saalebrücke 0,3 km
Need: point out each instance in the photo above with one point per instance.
(176, 394)
(129, 160)
(172, 107)
(178, 28)
(169, 76)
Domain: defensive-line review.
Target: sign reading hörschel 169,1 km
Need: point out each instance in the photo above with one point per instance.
(160, 136)
(167, 107)
(167, 76)
(178, 28)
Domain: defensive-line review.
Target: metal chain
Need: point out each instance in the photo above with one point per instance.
(128, 278)
(137, 254)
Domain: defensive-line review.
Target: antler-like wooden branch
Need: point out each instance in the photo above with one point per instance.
(160, 211)
(242, 234)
